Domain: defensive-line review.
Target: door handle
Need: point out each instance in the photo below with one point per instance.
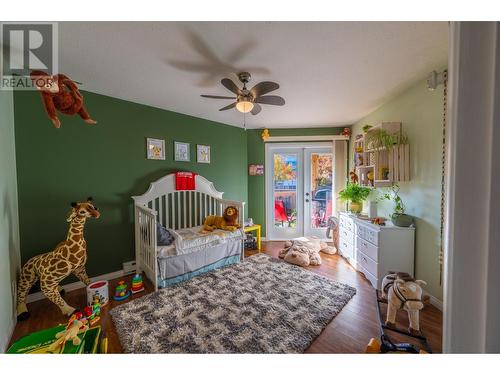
(307, 200)
(307, 194)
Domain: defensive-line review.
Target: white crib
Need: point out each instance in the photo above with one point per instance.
(175, 209)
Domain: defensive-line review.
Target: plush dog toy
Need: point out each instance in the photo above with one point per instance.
(60, 93)
(229, 220)
(304, 251)
(403, 292)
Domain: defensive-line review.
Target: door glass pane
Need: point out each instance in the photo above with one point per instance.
(285, 190)
(321, 189)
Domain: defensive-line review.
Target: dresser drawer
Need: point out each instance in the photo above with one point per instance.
(346, 235)
(371, 278)
(367, 248)
(346, 248)
(366, 262)
(368, 234)
(346, 223)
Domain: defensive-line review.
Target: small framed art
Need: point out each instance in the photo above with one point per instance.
(256, 169)
(155, 149)
(181, 151)
(202, 154)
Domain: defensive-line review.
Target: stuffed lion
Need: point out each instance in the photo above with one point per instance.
(229, 220)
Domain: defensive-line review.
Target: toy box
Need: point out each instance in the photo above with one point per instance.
(37, 343)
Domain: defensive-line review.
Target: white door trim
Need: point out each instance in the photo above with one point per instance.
(472, 239)
(268, 174)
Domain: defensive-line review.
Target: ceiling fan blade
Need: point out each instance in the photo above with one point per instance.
(263, 88)
(232, 105)
(218, 97)
(270, 99)
(256, 109)
(230, 85)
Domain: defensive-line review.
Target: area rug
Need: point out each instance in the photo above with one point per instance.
(262, 305)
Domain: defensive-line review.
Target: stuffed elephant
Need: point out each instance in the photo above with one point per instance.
(403, 291)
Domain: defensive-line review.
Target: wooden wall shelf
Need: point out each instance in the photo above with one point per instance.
(382, 167)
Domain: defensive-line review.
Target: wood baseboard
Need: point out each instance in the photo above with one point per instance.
(438, 304)
(77, 285)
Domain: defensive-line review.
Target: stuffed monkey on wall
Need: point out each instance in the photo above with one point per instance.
(60, 93)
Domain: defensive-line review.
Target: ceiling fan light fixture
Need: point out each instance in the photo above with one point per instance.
(244, 106)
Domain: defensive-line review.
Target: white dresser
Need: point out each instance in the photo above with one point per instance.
(375, 250)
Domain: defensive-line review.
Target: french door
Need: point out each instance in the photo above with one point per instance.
(299, 186)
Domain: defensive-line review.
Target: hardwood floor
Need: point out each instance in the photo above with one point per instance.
(348, 332)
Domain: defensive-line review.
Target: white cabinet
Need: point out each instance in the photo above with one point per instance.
(375, 250)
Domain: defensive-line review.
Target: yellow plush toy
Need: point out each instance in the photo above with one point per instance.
(229, 221)
(73, 329)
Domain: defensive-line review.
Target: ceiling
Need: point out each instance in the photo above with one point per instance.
(330, 73)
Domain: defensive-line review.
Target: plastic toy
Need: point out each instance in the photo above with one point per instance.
(121, 291)
(93, 311)
(73, 329)
(137, 285)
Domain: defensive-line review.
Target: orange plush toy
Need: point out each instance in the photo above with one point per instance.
(229, 221)
(60, 93)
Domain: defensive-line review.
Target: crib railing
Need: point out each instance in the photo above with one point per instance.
(186, 209)
(145, 242)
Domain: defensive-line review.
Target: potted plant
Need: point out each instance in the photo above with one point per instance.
(355, 195)
(398, 218)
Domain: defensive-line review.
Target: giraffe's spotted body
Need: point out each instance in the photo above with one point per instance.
(51, 268)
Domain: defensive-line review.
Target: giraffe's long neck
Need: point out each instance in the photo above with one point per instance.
(75, 231)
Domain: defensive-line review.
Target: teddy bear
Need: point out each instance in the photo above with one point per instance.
(228, 221)
(304, 251)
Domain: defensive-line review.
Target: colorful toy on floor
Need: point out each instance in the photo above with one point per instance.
(73, 329)
(92, 312)
(50, 268)
(137, 284)
(99, 290)
(121, 291)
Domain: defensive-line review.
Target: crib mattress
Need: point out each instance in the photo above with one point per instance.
(190, 240)
(182, 267)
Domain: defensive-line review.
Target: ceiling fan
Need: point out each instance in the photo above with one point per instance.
(249, 100)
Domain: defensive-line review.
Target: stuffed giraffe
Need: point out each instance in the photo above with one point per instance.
(51, 268)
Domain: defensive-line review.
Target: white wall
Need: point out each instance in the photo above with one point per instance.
(472, 272)
(9, 226)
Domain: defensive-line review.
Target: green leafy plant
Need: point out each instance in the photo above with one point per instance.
(367, 127)
(393, 195)
(380, 139)
(354, 193)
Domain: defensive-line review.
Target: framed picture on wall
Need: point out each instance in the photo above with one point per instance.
(203, 153)
(256, 169)
(181, 151)
(155, 149)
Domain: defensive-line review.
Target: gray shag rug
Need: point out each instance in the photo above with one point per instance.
(262, 305)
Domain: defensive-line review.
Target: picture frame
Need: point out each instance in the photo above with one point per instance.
(256, 169)
(155, 149)
(203, 154)
(182, 151)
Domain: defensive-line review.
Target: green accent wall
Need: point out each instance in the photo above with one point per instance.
(421, 113)
(256, 155)
(108, 162)
(9, 228)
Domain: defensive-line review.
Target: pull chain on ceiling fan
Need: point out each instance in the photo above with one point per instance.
(249, 100)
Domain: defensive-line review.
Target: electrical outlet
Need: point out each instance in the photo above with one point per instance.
(129, 267)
